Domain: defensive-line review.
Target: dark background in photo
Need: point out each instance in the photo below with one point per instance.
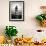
(16, 15)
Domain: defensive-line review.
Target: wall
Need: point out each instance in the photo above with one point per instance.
(27, 26)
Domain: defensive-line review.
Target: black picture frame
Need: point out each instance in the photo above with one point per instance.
(14, 13)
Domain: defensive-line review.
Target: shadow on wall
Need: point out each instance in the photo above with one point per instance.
(34, 21)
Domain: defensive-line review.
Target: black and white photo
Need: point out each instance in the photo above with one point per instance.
(16, 10)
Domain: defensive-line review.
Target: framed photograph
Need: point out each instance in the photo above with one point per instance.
(16, 11)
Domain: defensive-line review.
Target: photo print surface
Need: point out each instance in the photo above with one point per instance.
(16, 10)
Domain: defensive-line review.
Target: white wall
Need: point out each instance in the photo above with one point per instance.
(29, 24)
